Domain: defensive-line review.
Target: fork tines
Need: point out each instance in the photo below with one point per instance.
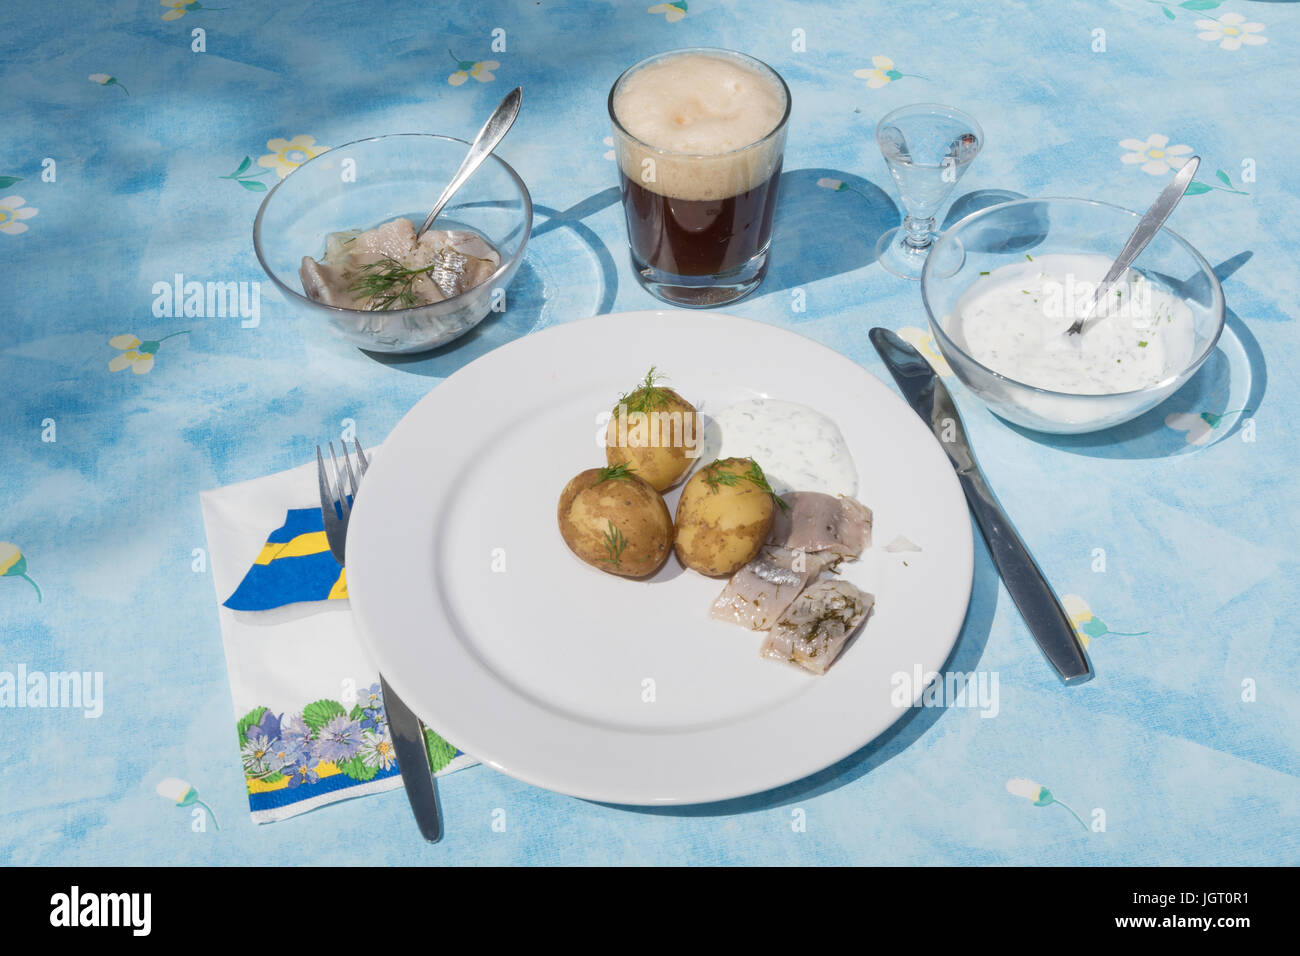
(336, 508)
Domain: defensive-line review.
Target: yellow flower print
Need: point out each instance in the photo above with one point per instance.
(177, 8)
(1080, 615)
(672, 11)
(286, 155)
(14, 565)
(140, 362)
(139, 356)
(923, 342)
(1231, 30)
(1086, 624)
(882, 73)
(13, 210)
(466, 68)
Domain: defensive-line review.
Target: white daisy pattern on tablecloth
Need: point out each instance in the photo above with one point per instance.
(1039, 796)
(1086, 624)
(672, 12)
(13, 210)
(286, 155)
(182, 794)
(103, 79)
(14, 565)
(1231, 31)
(136, 355)
(1200, 427)
(882, 73)
(840, 186)
(1155, 154)
(480, 70)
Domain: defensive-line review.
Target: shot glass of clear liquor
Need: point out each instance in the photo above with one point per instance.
(928, 148)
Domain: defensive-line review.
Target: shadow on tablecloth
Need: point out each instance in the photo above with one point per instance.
(827, 223)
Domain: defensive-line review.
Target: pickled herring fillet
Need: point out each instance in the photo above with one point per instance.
(760, 592)
(814, 629)
(393, 239)
(470, 260)
(396, 270)
(816, 522)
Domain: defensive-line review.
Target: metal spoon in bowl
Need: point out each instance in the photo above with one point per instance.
(493, 131)
(1146, 229)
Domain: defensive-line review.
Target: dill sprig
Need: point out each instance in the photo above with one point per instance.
(615, 542)
(622, 470)
(646, 397)
(713, 477)
(387, 283)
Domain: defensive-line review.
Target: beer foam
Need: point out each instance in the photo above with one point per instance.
(690, 118)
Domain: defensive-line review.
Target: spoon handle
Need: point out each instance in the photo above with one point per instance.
(1146, 229)
(488, 137)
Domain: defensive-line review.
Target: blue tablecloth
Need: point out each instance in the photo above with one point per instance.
(126, 131)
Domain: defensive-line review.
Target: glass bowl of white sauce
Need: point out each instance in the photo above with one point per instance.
(1002, 285)
(369, 182)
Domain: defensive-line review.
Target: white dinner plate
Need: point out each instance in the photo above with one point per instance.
(618, 690)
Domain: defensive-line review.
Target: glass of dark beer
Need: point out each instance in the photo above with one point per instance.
(699, 136)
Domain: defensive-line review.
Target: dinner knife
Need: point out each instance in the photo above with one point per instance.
(1047, 621)
(413, 762)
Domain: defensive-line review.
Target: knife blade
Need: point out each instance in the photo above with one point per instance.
(413, 762)
(1038, 604)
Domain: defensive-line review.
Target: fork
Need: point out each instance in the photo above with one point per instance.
(336, 500)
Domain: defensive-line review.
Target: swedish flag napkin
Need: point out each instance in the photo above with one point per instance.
(309, 717)
(294, 565)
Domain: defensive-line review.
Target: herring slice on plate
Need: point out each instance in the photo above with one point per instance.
(621, 689)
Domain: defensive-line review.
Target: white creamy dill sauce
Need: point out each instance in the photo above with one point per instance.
(798, 448)
(1013, 321)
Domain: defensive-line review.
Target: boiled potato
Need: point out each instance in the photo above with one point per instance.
(616, 522)
(655, 431)
(724, 516)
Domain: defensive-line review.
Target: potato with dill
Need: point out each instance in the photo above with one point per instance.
(615, 521)
(724, 516)
(655, 431)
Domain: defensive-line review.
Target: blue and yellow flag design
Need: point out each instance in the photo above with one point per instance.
(294, 565)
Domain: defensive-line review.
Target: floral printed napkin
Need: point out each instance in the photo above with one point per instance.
(309, 717)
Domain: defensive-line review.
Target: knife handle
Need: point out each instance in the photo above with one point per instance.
(407, 733)
(1038, 605)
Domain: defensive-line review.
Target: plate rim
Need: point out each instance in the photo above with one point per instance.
(615, 794)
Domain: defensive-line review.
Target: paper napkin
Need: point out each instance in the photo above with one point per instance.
(309, 718)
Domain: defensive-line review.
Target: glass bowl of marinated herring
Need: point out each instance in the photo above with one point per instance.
(337, 236)
(1002, 286)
